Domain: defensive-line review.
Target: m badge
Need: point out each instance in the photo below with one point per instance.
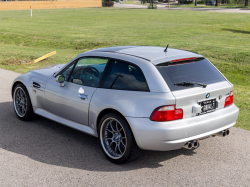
(208, 95)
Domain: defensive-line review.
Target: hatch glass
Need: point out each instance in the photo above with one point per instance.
(198, 71)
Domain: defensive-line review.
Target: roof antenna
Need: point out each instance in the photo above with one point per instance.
(165, 50)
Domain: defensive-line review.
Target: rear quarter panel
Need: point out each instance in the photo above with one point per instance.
(128, 103)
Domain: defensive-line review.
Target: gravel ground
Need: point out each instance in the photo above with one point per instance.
(45, 153)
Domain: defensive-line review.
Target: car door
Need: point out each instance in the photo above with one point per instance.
(71, 100)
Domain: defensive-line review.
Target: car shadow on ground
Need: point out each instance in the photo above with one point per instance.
(52, 143)
(237, 31)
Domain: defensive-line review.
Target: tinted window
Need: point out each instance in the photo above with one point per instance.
(199, 71)
(88, 71)
(66, 72)
(124, 76)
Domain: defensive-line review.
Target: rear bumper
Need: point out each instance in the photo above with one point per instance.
(163, 136)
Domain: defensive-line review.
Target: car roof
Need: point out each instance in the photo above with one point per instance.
(150, 53)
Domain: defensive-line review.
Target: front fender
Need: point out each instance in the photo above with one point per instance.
(20, 79)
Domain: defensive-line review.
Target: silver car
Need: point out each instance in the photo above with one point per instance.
(132, 98)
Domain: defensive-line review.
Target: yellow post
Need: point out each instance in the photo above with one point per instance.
(45, 56)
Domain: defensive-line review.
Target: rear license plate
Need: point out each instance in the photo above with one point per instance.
(207, 106)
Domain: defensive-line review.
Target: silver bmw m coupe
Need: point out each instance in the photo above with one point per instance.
(132, 98)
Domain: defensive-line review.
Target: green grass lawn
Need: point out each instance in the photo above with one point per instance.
(223, 38)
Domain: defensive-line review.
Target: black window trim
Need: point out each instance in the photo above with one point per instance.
(73, 61)
(66, 67)
(59, 72)
(104, 77)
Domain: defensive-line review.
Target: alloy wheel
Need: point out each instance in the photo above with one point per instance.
(20, 102)
(113, 138)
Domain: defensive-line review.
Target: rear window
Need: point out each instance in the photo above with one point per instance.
(201, 71)
(124, 76)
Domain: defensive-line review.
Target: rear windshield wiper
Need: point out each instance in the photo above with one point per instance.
(190, 84)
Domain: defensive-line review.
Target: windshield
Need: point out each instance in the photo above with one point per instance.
(201, 71)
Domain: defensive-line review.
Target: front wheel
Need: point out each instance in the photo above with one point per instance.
(117, 141)
(22, 103)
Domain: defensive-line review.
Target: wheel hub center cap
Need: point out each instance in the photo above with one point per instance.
(117, 137)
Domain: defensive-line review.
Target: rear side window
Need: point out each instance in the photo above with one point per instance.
(201, 71)
(124, 76)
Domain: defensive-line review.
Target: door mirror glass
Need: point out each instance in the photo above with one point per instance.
(60, 79)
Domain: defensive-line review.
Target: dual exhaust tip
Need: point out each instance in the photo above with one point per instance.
(192, 145)
(223, 133)
(195, 144)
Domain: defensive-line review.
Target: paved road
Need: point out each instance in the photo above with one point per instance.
(230, 10)
(45, 153)
(129, 6)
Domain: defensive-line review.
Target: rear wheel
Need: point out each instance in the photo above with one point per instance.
(117, 141)
(22, 103)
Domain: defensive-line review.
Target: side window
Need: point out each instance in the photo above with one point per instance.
(66, 72)
(88, 71)
(124, 76)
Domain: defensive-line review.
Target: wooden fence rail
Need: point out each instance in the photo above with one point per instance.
(22, 5)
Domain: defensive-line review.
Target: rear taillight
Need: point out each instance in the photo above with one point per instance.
(166, 113)
(229, 100)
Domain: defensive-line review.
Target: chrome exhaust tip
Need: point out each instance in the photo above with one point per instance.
(222, 133)
(227, 132)
(195, 144)
(188, 145)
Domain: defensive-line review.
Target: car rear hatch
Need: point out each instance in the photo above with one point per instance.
(199, 88)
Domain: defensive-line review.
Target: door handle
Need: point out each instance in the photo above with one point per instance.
(83, 96)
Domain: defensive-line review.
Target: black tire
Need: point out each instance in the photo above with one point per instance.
(22, 114)
(113, 143)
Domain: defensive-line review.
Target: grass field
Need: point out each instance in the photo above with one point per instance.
(223, 38)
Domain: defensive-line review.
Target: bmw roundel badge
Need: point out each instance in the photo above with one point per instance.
(208, 95)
